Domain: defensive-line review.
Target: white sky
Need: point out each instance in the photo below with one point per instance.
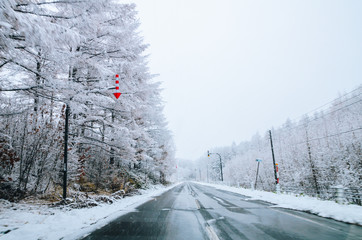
(231, 68)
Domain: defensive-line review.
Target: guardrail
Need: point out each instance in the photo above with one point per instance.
(340, 194)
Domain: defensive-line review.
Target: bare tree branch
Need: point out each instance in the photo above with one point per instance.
(19, 89)
(43, 15)
(4, 63)
(28, 69)
(12, 114)
(44, 3)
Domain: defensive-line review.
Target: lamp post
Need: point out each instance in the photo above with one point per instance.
(208, 154)
(207, 172)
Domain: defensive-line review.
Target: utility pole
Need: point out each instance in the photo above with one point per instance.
(275, 167)
(67, 109)
(272, 150)
(146, 171)
(222, 176)
(111, 158)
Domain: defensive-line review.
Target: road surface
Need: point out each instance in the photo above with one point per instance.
(193, 211)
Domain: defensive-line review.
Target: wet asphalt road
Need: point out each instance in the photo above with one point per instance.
(192, 211)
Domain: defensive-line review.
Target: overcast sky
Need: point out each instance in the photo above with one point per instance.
(231, 68)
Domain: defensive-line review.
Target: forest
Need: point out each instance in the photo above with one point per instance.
(316, 153)
(60, 58)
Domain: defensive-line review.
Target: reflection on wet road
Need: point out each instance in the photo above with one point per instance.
(192, 211)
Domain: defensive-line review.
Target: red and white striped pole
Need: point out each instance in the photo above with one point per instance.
(117, 93)
(277, 170)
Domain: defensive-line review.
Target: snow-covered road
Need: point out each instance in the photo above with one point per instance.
(194, 211)
(186, 211)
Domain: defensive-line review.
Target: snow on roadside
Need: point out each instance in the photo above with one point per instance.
(26, 221)
(323, 208)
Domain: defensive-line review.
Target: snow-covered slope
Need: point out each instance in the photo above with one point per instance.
(25, 221)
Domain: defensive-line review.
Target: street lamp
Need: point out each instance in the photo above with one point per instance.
(208, 154)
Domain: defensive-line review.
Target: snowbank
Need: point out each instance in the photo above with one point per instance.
(25, 221)
(323, 208)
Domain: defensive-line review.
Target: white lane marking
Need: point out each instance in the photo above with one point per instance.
(211, 221)
(221, 201)
(214, 220)
(210, 231)
(212, 234)
(198, 204)
(305, 219)
(218, 199)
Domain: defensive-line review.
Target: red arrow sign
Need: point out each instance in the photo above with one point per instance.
(117, 93)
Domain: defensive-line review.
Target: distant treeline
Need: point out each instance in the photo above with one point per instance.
(314, 153)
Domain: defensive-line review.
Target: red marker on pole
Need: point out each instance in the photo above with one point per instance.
(117, 93)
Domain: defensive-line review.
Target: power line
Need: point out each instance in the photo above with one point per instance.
(333, 135)
(359, 88)
(325, 114)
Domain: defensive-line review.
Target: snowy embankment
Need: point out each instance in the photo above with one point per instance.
(27, 221)
(323, 208)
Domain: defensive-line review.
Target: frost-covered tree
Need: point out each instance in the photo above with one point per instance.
(58, 53)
